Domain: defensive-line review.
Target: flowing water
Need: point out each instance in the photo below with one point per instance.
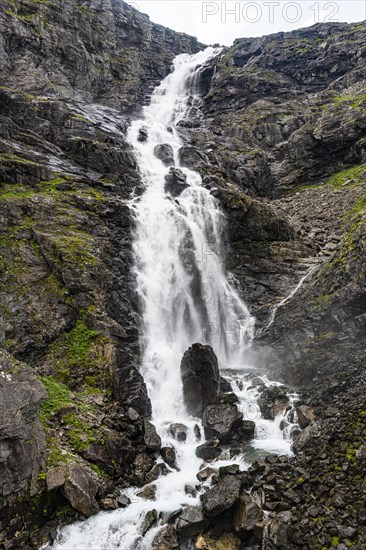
(185, 297)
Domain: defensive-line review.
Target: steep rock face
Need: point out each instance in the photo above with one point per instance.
(67, 301)
(288, 108)
(102, 51)
(22, 439)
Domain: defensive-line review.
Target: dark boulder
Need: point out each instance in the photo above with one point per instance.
(222, 496)
(273, 401)
(175, 182)
(178, 431)
(221, 421)
(226, 387)
(209, 450)
(151, 437)
(166, 539)
(164, 152)
(130, 389)
(150, 520)
(169, 456)
(142, 135)
(247, 514)
(80, 489)
(201, 378)
(191, 522)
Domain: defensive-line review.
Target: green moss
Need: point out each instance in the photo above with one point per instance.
(58, 398)
(335, 541)
(56, 454)
(98, 470)
(16, 158)
(76, 247)
(81, 435)
(353, 173)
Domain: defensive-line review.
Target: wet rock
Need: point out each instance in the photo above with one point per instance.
(175, 182)
(200, 377)
(305, 416)
(123, 501)
(206, 473)
(151, 437)
(221, 421)
(226, 399)
(147, 493)
(178, 431)
(80, 489)
(130, 389)
(225, 385)
(190, 490)
(109, 503)
(169, 456)
(197, 432)
(273, 401)
(191, 157)
(247, 430)
(142, 135)
(209, 450)
(191, 522)
(164, 152)
(247, 514)
(166, 539)
(231, 469)
(151, 518)
(221, 497)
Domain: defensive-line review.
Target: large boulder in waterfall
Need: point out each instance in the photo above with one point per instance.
(222, 496)
(165, 153)
(175, 182)
(273, 401)
(221, 421)
(191, 157)
(201, 378)
(178, 431)
(209, 450)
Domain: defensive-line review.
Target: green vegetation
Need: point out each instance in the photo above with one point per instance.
(349, 174)
(58, 398)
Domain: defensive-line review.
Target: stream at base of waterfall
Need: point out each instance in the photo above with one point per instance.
(184, 291)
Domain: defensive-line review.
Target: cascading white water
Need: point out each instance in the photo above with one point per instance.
(185, 297)
(184, 291)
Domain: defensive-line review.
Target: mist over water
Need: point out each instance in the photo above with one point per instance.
(185, 297)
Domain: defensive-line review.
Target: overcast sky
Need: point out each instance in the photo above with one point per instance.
(222, 22)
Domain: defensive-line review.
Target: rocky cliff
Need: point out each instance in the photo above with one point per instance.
(279, 140)
(70, 74)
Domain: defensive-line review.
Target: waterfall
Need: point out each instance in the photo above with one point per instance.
(184, 292)
(185, 297)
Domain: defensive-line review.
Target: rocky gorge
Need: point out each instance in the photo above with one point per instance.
(279, 140)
